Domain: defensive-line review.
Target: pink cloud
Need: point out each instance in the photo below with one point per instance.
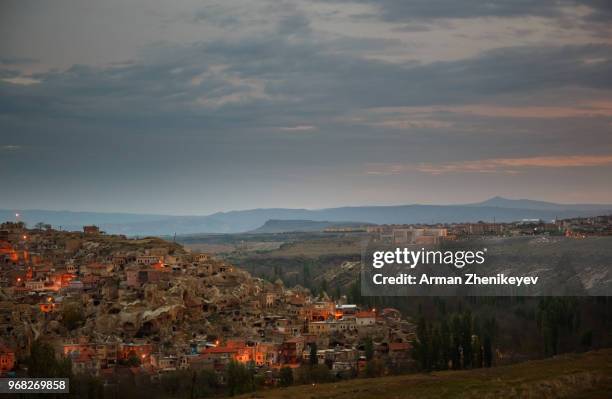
(494, 165)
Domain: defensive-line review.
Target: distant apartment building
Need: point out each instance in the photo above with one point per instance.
(91, 230)
(424, 236)
(484, 228)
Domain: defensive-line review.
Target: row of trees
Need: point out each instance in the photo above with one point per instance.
(458, 341)
(557, 318)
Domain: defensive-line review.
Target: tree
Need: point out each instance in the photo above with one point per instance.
(43, 362)
(487, 352)
(445, 343)
(556, 316)
(478, 356)
(587, 339)
(133, 360)
(313, 354)
(374, 368)
(238, 378)
(466, 338)
(368, 348)
(286, 376)
(324, 287)
(456, 342)
(306, 275)
(72, 316)
(250, 368)
(421, 345)
(86, 386)
(435, 349)
(337, 293)
(42, 359)
(354, 294)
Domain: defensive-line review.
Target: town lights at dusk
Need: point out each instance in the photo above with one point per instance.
(334, 198)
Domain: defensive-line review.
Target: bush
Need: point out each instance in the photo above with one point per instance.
(43, 362)
(319, 374)
(286, 376)
(72, 316)
(239, 378)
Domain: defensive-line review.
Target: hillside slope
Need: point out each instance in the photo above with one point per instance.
(587, 375)
(285, 226)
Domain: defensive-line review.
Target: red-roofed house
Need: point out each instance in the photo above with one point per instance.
(366, 318)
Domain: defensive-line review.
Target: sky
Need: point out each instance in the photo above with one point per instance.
(193, 107)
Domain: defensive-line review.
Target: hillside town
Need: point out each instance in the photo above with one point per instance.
(145, 307)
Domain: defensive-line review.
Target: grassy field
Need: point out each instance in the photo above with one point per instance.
(587, 375)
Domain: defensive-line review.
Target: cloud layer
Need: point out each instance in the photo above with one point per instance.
(294, 101)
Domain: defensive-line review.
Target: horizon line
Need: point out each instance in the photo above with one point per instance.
(25, 210)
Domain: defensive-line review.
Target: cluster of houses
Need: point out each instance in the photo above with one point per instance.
(151, 307)
(321, 324)
(434, 234)
(586, 227)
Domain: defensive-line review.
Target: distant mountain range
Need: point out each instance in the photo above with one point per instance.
(498, 208)
(500, 202)
(284, 226)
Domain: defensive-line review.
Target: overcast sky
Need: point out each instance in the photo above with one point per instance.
(191, 107)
